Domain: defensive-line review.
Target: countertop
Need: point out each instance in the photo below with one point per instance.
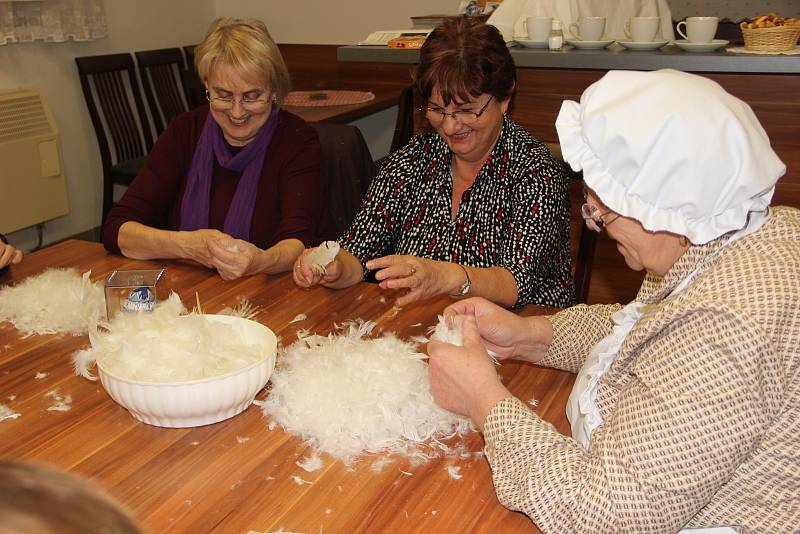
(614, 57)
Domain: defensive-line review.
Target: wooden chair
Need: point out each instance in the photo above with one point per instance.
(188, 52)
(161, 72)
(584, 241)
(349, 169)
(111, 90)
(587, 242)
(192, 84)
(404, 126)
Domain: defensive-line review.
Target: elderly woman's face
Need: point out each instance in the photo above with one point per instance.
(642, 249)
(470, 138)
(240, 106)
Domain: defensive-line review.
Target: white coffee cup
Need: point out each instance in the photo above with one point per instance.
(589, 28)
(537, 28)
(642, 29)
(699, 29)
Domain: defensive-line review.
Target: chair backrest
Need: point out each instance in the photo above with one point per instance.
(404, 126)
(188, 52)
(349, 169)
(163, 84)
(587, 242)
(583, 240)
(111, 90)
(192, 84)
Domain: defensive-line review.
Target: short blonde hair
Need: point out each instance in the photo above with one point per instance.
(245, 45)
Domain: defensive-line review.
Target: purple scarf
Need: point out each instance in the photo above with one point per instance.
(196, 202)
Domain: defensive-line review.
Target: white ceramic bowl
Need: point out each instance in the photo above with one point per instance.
(204, 401)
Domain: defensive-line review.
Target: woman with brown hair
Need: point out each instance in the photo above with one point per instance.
(477, 207)
(237, 185)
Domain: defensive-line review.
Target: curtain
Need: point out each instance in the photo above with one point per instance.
(55, 21)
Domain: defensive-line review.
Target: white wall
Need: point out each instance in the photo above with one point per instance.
(330, 22)
(50, 68)
(149, 24)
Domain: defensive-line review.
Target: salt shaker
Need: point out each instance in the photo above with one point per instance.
(556, 39)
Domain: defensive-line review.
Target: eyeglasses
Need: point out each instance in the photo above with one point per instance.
(224, 103)
(437, 115)
(594, 220)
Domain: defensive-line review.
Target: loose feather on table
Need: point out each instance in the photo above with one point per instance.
(347, 395)
(54, 301)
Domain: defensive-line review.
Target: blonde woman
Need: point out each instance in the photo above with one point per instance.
(235, 185)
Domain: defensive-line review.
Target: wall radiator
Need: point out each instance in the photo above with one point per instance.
(32, 185)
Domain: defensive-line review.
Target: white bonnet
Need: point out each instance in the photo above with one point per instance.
(672, 150)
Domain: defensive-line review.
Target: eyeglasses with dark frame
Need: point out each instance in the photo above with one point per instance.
(593, 219)
(224, 103)
(461, 116)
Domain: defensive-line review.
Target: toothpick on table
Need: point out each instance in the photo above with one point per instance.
(197, 298)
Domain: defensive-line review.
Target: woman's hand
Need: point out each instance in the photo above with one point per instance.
(504, 333)
(9, 255)
(306, 276)
(422, 277)
(234, 258)
(463, 379)
(193, 245)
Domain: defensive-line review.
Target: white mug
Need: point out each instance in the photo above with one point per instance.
(537, 28)
(589, 28)
(699, 29)
(642, 29)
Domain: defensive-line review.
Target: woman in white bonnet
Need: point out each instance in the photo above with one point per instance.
(685, 413)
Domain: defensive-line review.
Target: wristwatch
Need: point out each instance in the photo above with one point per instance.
(465, 287)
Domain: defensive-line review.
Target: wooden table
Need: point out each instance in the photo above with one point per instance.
(205, 479)
(385, 97)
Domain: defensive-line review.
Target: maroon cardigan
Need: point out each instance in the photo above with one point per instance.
(290, 195)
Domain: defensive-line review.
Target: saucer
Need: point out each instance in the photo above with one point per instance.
(531, 44)
(589, 45)
(701, 47)
(637, 45)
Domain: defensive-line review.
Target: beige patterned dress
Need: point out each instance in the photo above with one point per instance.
(701, 408)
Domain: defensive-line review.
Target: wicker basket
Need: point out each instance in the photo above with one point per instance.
(777, 39)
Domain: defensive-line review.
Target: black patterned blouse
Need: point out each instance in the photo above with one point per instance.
(515, 215)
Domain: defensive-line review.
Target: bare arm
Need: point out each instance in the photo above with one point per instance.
(142, 242)
(506, 334)
(424, 278)
(234, 258)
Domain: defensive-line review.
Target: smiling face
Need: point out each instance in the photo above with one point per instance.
(655, 252)
(239, 124)
(474, 142)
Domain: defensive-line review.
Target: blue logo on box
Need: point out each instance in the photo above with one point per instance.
(139, 299)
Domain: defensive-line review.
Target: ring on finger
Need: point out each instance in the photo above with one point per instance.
(413, 270)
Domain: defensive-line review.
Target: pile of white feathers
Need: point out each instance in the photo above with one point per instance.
(57, 300)
(347, 395)
(166, 345)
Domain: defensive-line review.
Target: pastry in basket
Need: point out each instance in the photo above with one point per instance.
(770, 20)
